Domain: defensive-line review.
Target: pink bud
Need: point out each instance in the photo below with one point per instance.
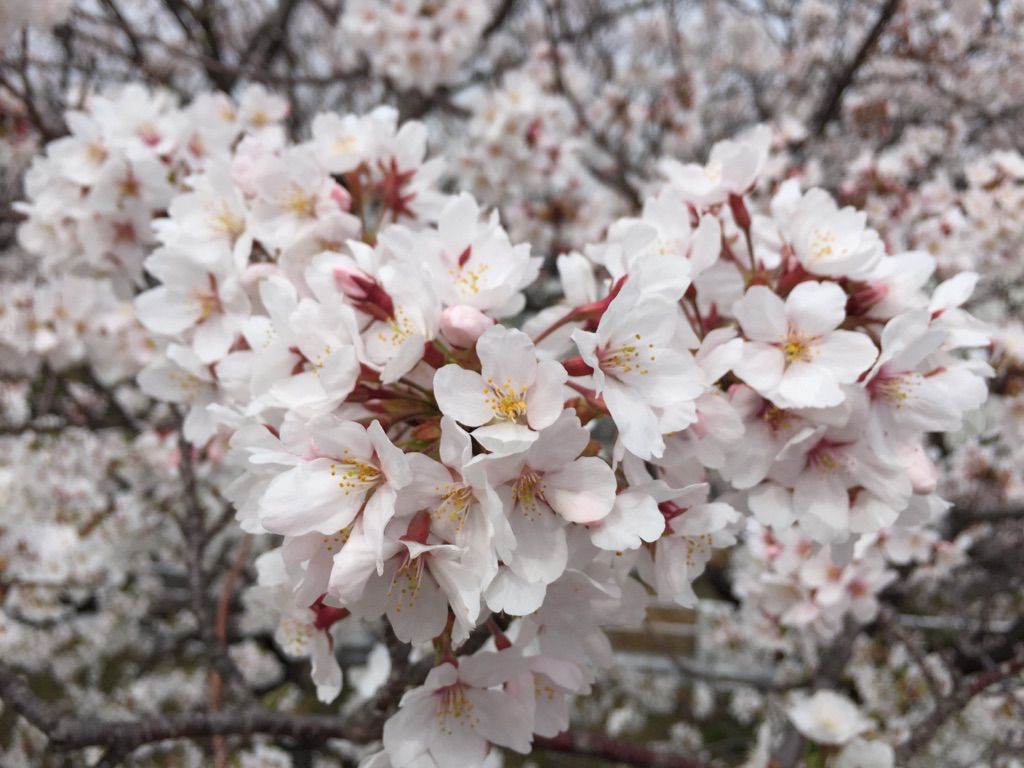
(866, 298)
(341, 196)
(924, 477)
(352, 282)
(462, 325)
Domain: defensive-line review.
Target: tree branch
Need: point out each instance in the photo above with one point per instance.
(833, 99)
(612, 750)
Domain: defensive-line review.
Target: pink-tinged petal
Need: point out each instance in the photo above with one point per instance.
(545, 399)
(507, 356)
(213, 338)
(761, 366)
(165, 312)
(582, 492)
(559, 444)
(326, 672)
(463, 395)
(514, 595)
(298, 392)
(808, 385)
(636, 422)
(339, 372)
(429, 480)
(354, 565)
(847, 354)
(410, 732)
(308, 498)
(416, 606)
(953, 292)
(634, 519)
(587, 343)
(505, 438)
(392, 459)
(541, 552)
(461, 586)
(330, 436)
(456, 445)
(501, 720)
(816, 308)
(409, 352)
(707, 244)
(771, 505)
(869, 514)
(761, 314)
(822, 505)
(377, 513)
(456, 741)
(199, 425)
(166, 381)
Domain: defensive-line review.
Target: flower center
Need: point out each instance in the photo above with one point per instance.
(453, 704)
(892, 390)
(507, 401)
(823, 243)
(627, 358)
(227, 223)
(467, 281)
(354, 474)
(776, 418)
(407, 580)
(398, 329)
(455, 504)
(799, 346)
(300, 204)
(528, 491)
(826, 457)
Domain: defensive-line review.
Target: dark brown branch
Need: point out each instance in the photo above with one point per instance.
(499, 17)
(960, 698)
(833, 99)
(614, 751)
(830, 670)
(617, 177)
(67, 733)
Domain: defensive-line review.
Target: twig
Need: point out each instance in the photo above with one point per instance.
(833, 98)
(614, 751)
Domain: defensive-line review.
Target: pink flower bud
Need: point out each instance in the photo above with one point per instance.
(341, 196)
(352, 282)
(462, 325)
(866, 298)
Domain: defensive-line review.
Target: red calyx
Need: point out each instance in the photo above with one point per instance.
(576, 366)
(326, 615)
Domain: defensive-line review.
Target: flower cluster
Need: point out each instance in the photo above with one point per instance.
(418, 44)
(95, 192)
(325, 306)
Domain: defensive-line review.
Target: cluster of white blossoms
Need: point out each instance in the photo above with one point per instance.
(523, 155)
(67, 321)
(95, 192)
(416, 44)
(971, 222)
(760, 363)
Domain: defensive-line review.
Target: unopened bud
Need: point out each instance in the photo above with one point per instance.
(740, 214)
(462, 325)
(341, 196)
(863, 299)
